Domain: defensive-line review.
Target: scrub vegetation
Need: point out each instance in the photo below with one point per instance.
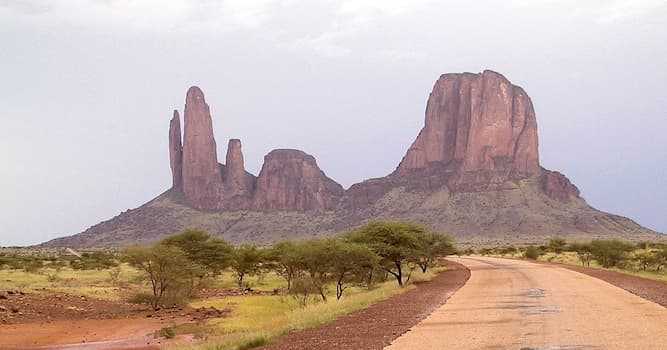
(644, 259)
(262, 291)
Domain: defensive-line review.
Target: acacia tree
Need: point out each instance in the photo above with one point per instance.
(285, 259)
(396, 243)
(247, 261)
(212, 254)
(317, 258)
(557, 245)
(432, 246)
(610, 253)
(351, 262)
(584, 253)
(167, 268)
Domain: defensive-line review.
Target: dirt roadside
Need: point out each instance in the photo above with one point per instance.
(50, 320)
(654, 291)
(376, 326)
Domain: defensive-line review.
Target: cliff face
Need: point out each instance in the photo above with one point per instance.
(558, 187)
(290, 180)
(479, 128)
(480, 132)
(176, 151)
(202, 178)
(473, 172)
(239, 184)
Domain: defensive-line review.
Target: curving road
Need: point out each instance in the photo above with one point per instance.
(513, 304)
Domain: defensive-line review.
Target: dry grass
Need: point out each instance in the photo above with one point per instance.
(90, 283)
(261, 318)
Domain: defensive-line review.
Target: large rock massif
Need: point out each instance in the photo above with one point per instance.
(473, 171)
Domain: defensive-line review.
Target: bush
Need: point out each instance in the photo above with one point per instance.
(254, 343)
(557, 245)
(167, 332)
(98, 260)
(532, 252)
(612, 253)
(141, 298)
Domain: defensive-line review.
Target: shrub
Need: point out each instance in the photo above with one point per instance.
(141, 298)
(557, 245)
(610, 253)
(532, 252)
(254, 343)
(167, 268)
(167, 332)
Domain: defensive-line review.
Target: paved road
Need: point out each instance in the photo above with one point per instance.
(511, 304)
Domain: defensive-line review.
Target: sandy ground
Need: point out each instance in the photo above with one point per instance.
(512, 304)
(83, 335)
(57, 321)
(375, 326)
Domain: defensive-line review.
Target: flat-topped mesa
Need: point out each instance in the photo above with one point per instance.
(476, 123)
(290, 180)
(239, 184)
(202, 178)
(176, 151)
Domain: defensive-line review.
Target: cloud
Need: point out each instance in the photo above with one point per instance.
(622, 10)
(155, 16)
(352, 18)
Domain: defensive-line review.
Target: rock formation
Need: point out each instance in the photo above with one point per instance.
(290, 180)
(480, 128)
(239, 185)
(558, 187)
(202, 179)
(176, 151)
(473, 172)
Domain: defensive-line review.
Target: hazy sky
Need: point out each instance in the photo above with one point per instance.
(87, 89)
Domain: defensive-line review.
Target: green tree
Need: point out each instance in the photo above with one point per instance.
(286, 260)
(167, 268)
(247, 261)
(432, 246)
(212, 254)
(557, 245)
(350, 263)
(584, 252)
(317, 258)
(396, 243)
(610, 253)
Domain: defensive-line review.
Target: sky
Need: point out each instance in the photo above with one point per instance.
(87, 88)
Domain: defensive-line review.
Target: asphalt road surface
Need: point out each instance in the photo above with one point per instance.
(513, 304)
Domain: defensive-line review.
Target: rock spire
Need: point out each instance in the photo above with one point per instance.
(202, 178)
(176, 151)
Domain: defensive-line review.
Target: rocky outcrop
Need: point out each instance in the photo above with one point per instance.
(239, 185)
(473, 172)
(290, 180)
(202, 178)
(176, 151)
(558, 187)
(479, 128)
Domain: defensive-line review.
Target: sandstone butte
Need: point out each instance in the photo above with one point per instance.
(472, 170)
(480, 132)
